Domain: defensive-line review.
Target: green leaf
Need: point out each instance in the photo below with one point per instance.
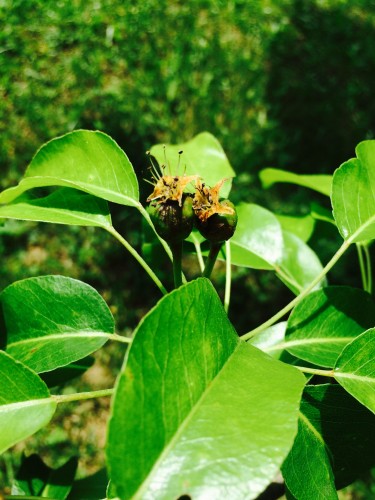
(258, 239)
(302, 226)
(36, 479)
(202, 155)
(85, 160)
(269, 338)
(355, 368)
(190, 406)
(320, 183)
(25, 404)
(329, 441)
(299, 264)
(63, 206)
(51, 321)
(353, 195)
(260, 243)
(325, 321)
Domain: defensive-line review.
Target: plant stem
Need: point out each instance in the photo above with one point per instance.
(138, 257)
(211, 259)
(198, 249)
(120, 338)
(299, 297)
(362, 265)
(368, 267)
(316, 371)
(228, 276)
(177, 263)
(79, 396)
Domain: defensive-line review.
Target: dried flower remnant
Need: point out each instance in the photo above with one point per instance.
(168, 187)
(206, 201)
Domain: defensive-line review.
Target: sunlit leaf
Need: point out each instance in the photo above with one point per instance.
(63, 206)
(25, 404)
(299, 264)
(258, 239)
(353, 195)
(325, 321)
(51, 321)
(85, 160)
(202, 155)
(355, 368)
(320, 183)
(190, 407)
(301, 226)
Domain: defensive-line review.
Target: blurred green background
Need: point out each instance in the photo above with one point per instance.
(281, 83)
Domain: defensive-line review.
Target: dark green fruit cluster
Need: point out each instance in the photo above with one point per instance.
(173, 222)
(219, 227)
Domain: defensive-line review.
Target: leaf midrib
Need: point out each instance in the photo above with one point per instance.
(60, 336)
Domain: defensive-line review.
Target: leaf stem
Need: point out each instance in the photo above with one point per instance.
(228, 276)
(316, 371)
(368, 267)
(177, 263)
(211, 259)
(138, 257)
(80, 396)
(362, 267)
(120, 338)
(299, 297)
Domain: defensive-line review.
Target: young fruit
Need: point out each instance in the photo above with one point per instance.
(173, 222)
(219, 227)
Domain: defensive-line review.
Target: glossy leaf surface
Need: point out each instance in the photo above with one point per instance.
(302, 226)
(299, 264)
(51, 321)
(187, 406)
(258, 240)
(355, 368)
(353, 195)
(85, 160)
(329, 441)
(320, 183)
(36, 479)
(202, 155)
(325, 321)
(25, 404)
(63, 206)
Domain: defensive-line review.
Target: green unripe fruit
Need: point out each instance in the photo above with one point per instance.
(219, 227)
(173, 222)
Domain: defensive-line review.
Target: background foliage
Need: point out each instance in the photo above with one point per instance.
(283, 83)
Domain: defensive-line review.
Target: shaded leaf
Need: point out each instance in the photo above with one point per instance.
(321, 213)
(355, 368)
(202, 155)
(90, 487)
(353, 195)
(320, 183)
(187, 406)
(85, 160)
(25, 404)
(329, 440)
(63, 206)
(36, 479)
(325, 321)
(62, 375)
(51, 321)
